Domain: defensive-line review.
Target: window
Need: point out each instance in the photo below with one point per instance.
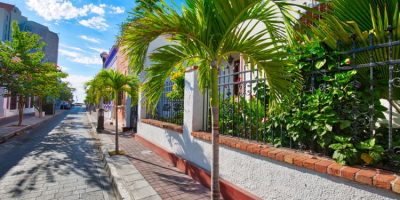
(13, 102)
(32, 101)
(27, 102)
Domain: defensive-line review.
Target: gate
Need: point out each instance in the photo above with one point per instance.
(134, 118)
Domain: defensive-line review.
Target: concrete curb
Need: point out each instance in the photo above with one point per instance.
(25, 129)
(128, 183)
(116, 180)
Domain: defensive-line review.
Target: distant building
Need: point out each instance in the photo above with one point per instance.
(110, 63)
(8, 14)
(116, 60)
(49, 37)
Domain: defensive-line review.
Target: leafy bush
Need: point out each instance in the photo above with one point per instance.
(345, 152)
(242, 117)
(178, 87)
(329, 115)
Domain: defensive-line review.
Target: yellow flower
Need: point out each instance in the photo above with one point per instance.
(347, 61)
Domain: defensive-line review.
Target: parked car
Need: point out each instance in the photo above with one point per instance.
(65, 106)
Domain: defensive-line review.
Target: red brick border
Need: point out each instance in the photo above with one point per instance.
(164, 125)
(370, 176)
(228, 190)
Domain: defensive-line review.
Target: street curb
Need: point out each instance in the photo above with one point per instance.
(116, 181)
(25, 129)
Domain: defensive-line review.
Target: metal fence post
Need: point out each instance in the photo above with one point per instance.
(391, 67)
(371, 84)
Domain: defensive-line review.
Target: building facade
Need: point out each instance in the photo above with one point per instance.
(117, 60)
(8, 14)
(110, 64)
(50, 38)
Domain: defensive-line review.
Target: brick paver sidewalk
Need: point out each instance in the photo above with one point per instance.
(6, 120)
(10, 129)
(166, 179)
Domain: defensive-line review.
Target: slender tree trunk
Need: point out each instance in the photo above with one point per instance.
(116, 125)
(40, 107)
(214, 101)
(21, 106)
(101, 103)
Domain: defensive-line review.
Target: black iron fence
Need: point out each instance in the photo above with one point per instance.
(168, 109)
(243, 103)
(368, 107)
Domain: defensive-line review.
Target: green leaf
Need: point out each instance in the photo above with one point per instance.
(320, 64)
(345, 124)
(371, 142)
(328, 127)
(336, 146)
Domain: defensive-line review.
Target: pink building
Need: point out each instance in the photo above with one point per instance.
(116, 60)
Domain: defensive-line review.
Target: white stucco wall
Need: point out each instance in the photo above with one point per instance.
(261, 176)
(9, 113)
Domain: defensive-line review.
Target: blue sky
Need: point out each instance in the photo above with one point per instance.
(85, 28)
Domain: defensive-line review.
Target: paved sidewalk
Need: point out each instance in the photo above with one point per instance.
(11, 129)
(58, 161)
(6, 120)
(166, 179)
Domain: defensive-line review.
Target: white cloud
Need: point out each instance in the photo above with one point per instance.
(63, 9)
(117, 10)
(81, 58)
(78, 82)
(90, 39)
(98, 50)
(64, 69)
(98, 9)
(71, 47)
(97, 22)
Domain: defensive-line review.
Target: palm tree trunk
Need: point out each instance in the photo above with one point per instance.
(116, 126)
(21, 106)
(214, 101)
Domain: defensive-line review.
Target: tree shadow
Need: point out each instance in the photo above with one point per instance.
(57, 149)
(184, 184)
(187, 148)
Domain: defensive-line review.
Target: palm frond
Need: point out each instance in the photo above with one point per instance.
(165, 60)
(204, 31)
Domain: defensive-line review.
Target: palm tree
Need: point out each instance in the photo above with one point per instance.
(204, 34)
(117, 82)
(95, 91)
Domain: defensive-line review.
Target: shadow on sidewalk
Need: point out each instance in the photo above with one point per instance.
(47, 158)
